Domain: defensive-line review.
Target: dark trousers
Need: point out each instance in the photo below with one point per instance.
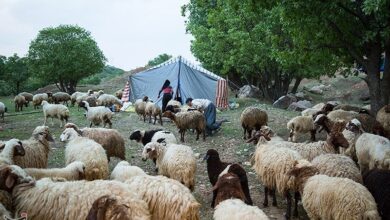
(165, 100)
(210, 113)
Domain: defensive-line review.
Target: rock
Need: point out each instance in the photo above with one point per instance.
(305, 103)
(249, 91)
(367, 107)
(334, 103)
(285, 101)
(197, 155)
(302, 96)
(316, 90)
(295, 106)
(365, 96)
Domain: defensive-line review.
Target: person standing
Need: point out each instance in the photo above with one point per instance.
(167, 94)
(209, 111)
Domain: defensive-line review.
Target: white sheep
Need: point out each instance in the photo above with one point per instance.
(38, 98)
(167, 198)
(75, 95)
(252, 118)
(3, 109)
(236, 209)
(55, 111)
(154, 110)
(73, 171)
(342, 115)
(301, 124)
(46, 199)
(372, 151)
(98, 114)
(83, 149)
(110, 139)
(139, 107)
(337, 165)
(325, 197)
(108, 100)
(174, 161)
(11, 149)
(37, 149)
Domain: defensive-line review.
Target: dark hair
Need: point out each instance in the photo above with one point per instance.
(166, 84)
(188, 100)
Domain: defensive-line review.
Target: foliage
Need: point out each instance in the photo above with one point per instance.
(64, 55)
(107, 73)
(16, 73)
(159, 59)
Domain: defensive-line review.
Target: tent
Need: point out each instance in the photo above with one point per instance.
(187, 80)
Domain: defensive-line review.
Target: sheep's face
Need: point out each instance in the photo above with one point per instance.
(68, 134)
(149, 152)
(320, 120)
(168, 114)
(354, 126)
(12, 175)
(136, 135)
(211, 155)
(19, 149)
(302, 170)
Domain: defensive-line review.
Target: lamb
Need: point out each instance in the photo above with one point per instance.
(32, 196)
(75, 95)
(98, 114)
(110, 139)
(28, 96)
(272, 166)
(188, 120)
(215, 167)
(12, 148)
(383, 117)
(55, 111)
(301, 124)
(346, 198)
(108, 100)
(253, 118)
(377, 182)
(61, 97)
(337, 165)
(167, 198)
(157, 135)
(235, 209)
(174, 161)
(19, 102)
(87, 151)
(154, 110)
(38, 98)
(3, 109)
(140, 105)
(37, 149)
(74, 171)
(119, 93)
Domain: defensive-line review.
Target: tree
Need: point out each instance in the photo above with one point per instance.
(63, 55)
(16, 72)
(159, 59)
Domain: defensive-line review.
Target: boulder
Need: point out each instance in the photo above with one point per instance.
(365, 96)
(305, 103)
(285, 101)
(295, 106)
(316, 90)
(249, 91)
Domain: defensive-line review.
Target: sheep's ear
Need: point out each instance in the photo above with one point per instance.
(2, 145)
(19, 150)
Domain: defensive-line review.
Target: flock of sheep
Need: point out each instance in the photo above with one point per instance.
(347, 176)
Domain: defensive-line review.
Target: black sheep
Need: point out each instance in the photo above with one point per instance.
(215, 166)
(378, 183)
(143, 136)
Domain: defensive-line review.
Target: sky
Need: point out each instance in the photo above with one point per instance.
(129, 32)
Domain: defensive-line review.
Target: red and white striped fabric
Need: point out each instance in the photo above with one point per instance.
(126, 93)
(221, 98)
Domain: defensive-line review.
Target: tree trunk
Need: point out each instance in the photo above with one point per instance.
(17, 87)
(71, 88)
(62, 86)
(296, 84)
(374, 80)
(386, 77)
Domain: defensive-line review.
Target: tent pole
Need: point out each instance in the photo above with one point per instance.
(178, 81)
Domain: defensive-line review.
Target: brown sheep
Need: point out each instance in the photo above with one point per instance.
(253, 118)
(19, 102)
(228, 186)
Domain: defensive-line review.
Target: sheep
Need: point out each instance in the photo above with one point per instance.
(252, 118)
(110, 139)
(325, 197)
(28, 96)
(61, 97)
(74, 97)
(87, 151)
(173, 106)
(108, 100)
(346, 107)
(3, 109)
(11, 148)
(320, 108)
(96, 94)
(372, 151)
(119, 93)
(188, 120)
(272, 165)
(73, 171)
(19, 102)
(216, 167)
(38, 98)
(228, 186)
(4, 213)
(55, 111)
(235, 209)
(383, 117)
(124, 171)
(157, 135)
(167, 198)
(47, 199)
(139, 107)
(377, 182)
(37, 149)
(342, 115)
(5, 200)
(154, 110)
(174, 161)
(98, 114)
(301, 124)
(337, 165)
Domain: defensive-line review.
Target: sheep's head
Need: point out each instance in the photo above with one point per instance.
(354, 126)
(68, 134)
(137, 135)
(150, 151)
(16, 145)
(12, 175)
(302, 170)
(108, 207)
(145, 99)
(74, 126)
(328, 107)
(80, 168)
(168, 114)
(261, 136)
(228, 186)
(42, 134)
(211, 155)
(319, 120)
(336, 137)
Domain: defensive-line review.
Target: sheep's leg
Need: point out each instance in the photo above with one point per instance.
(52, 121)
(214, 196)
(265, 203)
(245, 188)
(313, 135)
(197, 134)
(274, 201)
(90, 125)
(288, 211)
(249, 133)
(291, 137)
(150, 118)
(161, 120)
(244, 132)
(296, 198)
(204, 134)
(44, 122)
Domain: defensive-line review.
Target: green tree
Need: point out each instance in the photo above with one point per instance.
(159, 59)
(63, 55)
(16, 72)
